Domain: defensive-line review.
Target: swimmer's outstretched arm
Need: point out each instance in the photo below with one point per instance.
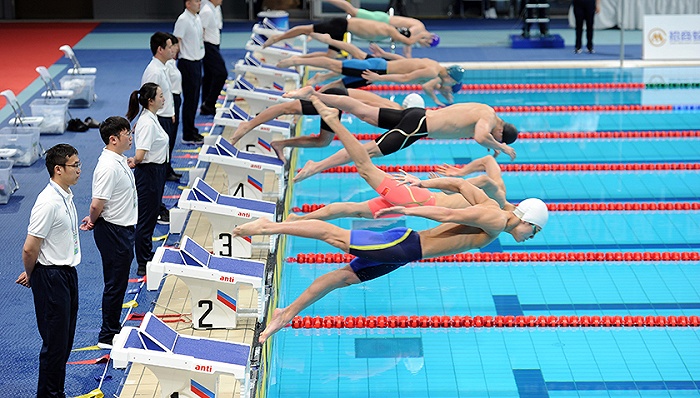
(470, 192)
(491, 219)
(349, 48)
(285, 108)
(483, 136)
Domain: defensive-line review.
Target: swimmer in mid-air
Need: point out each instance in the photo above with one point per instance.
(380, 253)
(465, 120)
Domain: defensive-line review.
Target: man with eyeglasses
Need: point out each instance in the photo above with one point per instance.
(50, 254)
(113, 214)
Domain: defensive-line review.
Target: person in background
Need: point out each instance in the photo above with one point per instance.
(175, 81)
(584, 11)
(113, 214)
(149, 164)
(215, 74)
(50, 255)
(541, 7)
(190, 34)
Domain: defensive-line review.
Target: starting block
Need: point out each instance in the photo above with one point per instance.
(185, 366)
(272, 54)
(226, 212)
(213, 282)
(246, 171)
(257, 140)
(269, 76)
(258, 99)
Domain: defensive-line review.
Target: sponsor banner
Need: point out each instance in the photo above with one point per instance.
(671, 37)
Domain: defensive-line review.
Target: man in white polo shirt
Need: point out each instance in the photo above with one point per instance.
(215, 72)
(50, 254)
(156, 72)
(113, 214)
(190, 34)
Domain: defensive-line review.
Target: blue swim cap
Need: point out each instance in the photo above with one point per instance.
(456, 72)
(434, 40)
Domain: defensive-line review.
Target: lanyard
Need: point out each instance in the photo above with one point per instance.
(131, 180)
(73, 224)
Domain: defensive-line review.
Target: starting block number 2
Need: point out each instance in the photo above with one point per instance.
(209, 306)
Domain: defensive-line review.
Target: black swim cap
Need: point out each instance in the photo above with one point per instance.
(510, 134)
(404, 31)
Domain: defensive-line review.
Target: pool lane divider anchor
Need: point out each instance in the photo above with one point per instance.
(566, 135)
(588, 206)
(488, 321)
(536, 167)
(502, 257)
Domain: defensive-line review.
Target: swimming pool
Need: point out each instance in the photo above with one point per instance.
(524, 361)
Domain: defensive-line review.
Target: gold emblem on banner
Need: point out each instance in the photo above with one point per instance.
(657, 37)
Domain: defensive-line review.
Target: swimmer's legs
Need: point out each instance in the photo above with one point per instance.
(345, 6)
(293, 32)
(336, 210)
(313, 229)
(323, 139)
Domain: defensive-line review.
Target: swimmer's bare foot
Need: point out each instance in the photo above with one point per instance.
(322, 37)
(252, 228)
(302, 93)
(327, 114)
(314, 81)
(278, 147)
(286, 63)
(277, 322)
(293, 217)
(270, 41)
(307, 171)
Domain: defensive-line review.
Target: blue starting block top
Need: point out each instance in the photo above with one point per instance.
(550, 41)
(242, 84)
(225, 148)
(155, 335)
(239, 114)
(252, 61)
(192, 254)
(203, 192)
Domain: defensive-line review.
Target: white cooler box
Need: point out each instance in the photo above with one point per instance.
(8, 184)
(54, 112)
(25, 141)
(83, 87)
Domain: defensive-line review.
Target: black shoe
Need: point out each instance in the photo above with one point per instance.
(173, 177)
(164, 218)
(176, 174)
(591, 51)
(525, 35)
(141, 270)
(195, 140)
(207, 110)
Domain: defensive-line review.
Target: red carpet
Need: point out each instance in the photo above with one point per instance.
(24, 46)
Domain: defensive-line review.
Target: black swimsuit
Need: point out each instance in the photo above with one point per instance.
(407, 126)
(336, 28)
(307, 108)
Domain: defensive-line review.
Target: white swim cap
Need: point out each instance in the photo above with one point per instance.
(534, 211)
(413, 100)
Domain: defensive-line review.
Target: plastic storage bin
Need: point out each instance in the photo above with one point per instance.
(8, 184)
(54, 112)
(83, 87)
(25, 140)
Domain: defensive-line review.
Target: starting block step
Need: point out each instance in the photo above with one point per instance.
(549, 41)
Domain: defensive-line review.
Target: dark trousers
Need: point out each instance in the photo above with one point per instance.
(167, 124)
(584, 11)
(177, 100)
(528, 13)
(191, 85)
(116, 246)
(214, 75)
(150, 181)
(55, 291)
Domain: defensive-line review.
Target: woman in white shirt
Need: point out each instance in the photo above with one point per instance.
(150, 166)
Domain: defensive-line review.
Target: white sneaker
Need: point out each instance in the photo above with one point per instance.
(491, 13)
(104, 346)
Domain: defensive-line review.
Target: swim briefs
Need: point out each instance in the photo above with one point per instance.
(352, 70)
(378, 16)
(379, 253)
(336, 28)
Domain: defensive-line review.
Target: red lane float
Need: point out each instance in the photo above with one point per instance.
(507, 257)
(567, 135)
(489, 321)
(517, 87)
(537, 167)
(593, 206)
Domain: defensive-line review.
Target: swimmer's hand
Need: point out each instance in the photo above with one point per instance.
(371, 76)
(433, 175)
(509, 151)
(449, 170)
(390, 210)
(407, 179)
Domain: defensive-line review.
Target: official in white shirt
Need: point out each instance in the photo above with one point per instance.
(215, 73)
(50, 254)
(175, 79)
(149, 165)
(113, 215)
(190, 34)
